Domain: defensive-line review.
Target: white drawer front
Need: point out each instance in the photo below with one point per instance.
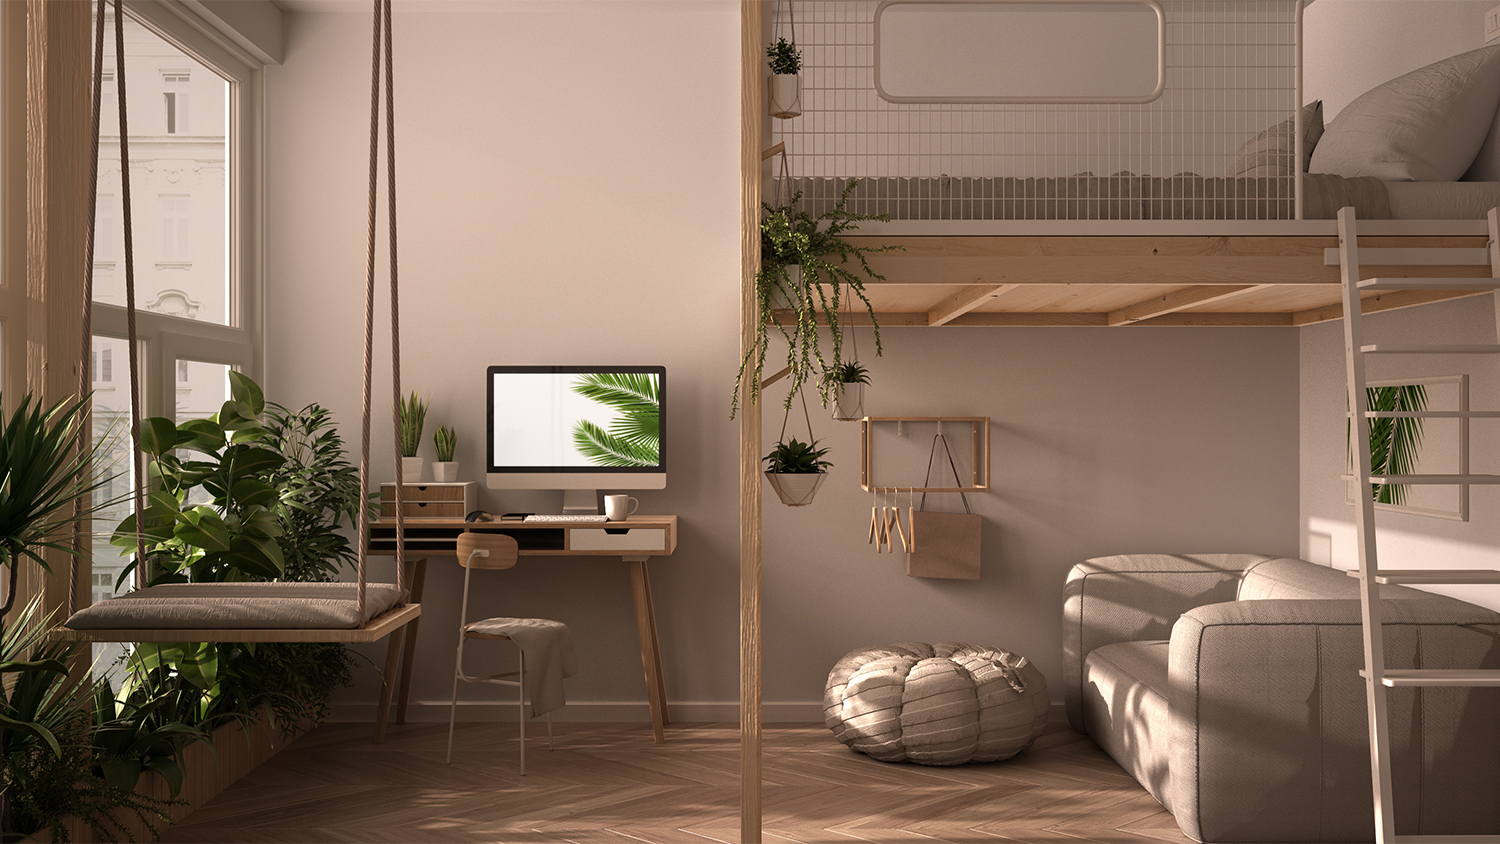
(634, 539)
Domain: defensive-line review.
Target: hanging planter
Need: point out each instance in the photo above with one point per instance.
(784, 89)
(795, 470)
(848, 381)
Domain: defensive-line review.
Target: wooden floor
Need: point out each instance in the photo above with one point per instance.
(609, 783)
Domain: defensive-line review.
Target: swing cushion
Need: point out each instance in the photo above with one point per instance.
(271, 606)
(943, 704)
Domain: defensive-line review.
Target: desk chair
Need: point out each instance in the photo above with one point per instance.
(487, 551)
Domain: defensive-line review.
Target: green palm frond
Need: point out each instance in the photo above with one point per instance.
(634, 437)
(1395, 442)
(605, 449)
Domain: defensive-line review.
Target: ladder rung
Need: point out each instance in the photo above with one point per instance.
(1432, 414)
(1444, 839)
(1436, 256)
(1437, 480)
(1407, 677)
(1433, 575)
(1430, 284)
(1390, 349)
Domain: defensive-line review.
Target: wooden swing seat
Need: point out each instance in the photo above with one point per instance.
(379, 627)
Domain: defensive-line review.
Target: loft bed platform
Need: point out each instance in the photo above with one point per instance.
(1119, 273)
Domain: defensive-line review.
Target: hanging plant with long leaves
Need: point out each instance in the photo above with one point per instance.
(1395, 442)
(634, 436)
(791, 238)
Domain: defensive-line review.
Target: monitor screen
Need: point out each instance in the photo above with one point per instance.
(576, 419)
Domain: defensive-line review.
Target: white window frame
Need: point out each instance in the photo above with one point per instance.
(164, 338)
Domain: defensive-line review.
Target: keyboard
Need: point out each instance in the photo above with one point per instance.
(550, 518)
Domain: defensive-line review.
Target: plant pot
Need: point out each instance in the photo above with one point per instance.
(445, 471)
(849, 402)
(785, 92)
(798, 489)
(411, 470)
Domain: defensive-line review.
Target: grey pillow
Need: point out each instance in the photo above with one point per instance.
(1270, 153)
(1486, 166)
(1425, 126)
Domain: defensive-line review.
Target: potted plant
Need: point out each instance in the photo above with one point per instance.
(804, 272)
(785, 86)
(796, 469)
(848, 381)
(445, 440)
(413, 413)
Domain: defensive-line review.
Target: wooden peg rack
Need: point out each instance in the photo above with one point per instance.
(979, 445)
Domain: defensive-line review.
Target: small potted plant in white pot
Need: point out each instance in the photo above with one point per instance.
(445, 440)
(847, 383)
(785, 85)
(796, 469)
(413, 413)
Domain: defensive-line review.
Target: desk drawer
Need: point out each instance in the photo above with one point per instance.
(633, 539)
(425, 509)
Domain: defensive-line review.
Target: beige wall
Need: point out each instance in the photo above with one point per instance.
(568, 180)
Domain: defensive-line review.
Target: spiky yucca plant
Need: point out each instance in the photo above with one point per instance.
(413, 416)
(445, 440)
(634, 438)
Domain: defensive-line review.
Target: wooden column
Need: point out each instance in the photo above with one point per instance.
(58, 130)
(752, 129)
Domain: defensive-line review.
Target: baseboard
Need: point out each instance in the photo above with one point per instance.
(682, 712)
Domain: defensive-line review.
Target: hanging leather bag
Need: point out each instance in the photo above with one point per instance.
(944, 545)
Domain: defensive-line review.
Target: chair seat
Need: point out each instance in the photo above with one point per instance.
(505, 628)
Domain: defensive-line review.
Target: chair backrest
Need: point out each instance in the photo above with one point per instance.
(503, 550)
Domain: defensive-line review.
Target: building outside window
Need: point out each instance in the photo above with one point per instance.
(176, 97)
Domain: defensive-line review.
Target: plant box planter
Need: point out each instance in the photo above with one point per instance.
(207, 772)
(785, 94)
(797, 489)
(849, 403)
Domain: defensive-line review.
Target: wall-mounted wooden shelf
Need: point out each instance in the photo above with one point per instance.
(979, 446)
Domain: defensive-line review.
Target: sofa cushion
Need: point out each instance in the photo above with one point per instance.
(1295, 579)
(1125, 708)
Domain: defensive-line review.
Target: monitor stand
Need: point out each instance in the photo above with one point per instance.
(580, 502)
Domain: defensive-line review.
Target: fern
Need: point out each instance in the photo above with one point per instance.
(634, 438)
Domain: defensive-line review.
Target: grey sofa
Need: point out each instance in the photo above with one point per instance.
(1227, 685)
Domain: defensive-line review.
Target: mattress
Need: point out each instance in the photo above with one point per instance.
(231, 606)
(1442, 200)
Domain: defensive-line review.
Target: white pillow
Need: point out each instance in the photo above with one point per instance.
(1425, 126)
(1270, 153)
(1486, 167)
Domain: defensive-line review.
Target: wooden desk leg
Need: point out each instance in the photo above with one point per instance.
(388, 683)
(645, 624)
(661, 676)
(417, 578)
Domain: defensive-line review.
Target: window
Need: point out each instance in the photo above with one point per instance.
(103, 366)
(175, 212)
(182, 372)
(176, 82)
(104, 229)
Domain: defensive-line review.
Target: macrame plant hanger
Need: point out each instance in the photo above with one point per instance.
(369, 630)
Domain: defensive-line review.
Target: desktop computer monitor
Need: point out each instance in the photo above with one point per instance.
(576, 428)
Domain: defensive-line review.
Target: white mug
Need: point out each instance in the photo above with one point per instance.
(618, 507)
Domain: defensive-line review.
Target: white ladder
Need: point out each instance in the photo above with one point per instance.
(1377, 678)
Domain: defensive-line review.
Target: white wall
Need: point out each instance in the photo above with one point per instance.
(1350, 46)
(562, 204)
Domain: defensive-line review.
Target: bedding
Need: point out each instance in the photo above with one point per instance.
(1442, 200)
(1124, 196)
(1270, 152)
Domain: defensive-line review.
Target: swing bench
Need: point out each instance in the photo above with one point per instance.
(252, 612)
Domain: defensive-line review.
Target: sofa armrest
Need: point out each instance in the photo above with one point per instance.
(1267, 709)
(1134, 597)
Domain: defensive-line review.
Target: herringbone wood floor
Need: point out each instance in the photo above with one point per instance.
(609, 783)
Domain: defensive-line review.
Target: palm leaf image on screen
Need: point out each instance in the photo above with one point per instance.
(634, 436)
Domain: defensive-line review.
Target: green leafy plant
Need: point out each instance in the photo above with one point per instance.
(413, 415)
(634, 437)
(445, 440)
(795, 238)
(850, 372)
(318, 490)
(785, 58)
(1395, 441)
(794, 457)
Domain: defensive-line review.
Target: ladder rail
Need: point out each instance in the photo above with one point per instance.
(1364, 521)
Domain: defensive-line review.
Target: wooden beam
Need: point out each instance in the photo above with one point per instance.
(963, 301)
(858, 318)
(1032, 318)
(753, 15)
(1383, 302)
(777, 376)
(774, 151)
(1178, 300)
(1247, 320)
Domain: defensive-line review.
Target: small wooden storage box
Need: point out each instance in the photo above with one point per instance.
(430, 501)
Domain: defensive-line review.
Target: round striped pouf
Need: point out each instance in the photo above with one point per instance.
(943, 704)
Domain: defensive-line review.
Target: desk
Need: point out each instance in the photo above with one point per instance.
(634, 541)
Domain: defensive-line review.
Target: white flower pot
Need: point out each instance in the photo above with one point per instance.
(849, 402)
(798, 489)
(411, 470)
(785, 90)
(445, 472)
